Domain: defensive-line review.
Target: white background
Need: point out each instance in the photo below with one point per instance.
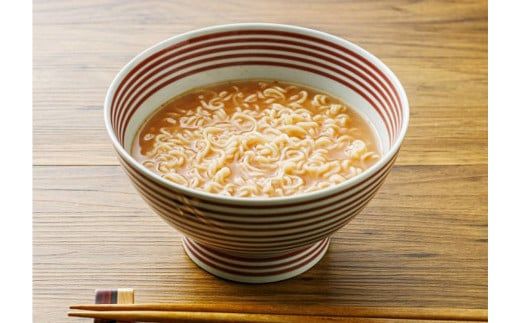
(16, 161)
(504, 161)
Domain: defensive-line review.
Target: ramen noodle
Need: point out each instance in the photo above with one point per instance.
(256, 139)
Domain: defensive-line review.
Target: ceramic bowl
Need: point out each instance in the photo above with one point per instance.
(256, 240)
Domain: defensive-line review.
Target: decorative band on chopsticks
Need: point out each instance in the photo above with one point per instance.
(114, 296)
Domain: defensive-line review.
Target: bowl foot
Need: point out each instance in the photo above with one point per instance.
(255, 270)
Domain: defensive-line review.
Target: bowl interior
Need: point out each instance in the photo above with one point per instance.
(324, 84)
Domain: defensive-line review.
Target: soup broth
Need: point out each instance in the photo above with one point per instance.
(256, 139)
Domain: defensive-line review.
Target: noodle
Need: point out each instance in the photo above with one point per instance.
(250, 138)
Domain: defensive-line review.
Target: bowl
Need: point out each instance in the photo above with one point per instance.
(256, 240)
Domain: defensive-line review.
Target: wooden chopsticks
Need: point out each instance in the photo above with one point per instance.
(264, 313)
(178, 316)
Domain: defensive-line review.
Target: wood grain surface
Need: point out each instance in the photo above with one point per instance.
(422, 241)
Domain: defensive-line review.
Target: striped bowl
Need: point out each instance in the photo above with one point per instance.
(256, 240)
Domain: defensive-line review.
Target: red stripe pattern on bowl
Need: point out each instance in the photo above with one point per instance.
(267, 236)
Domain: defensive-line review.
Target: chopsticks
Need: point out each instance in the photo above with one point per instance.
(262, 313)
(178, 316)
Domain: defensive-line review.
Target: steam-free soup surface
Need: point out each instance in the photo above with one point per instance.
(256, 139)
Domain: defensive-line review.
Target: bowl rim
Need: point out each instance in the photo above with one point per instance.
(259, 201)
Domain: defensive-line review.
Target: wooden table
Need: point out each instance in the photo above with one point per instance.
(422, 241)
